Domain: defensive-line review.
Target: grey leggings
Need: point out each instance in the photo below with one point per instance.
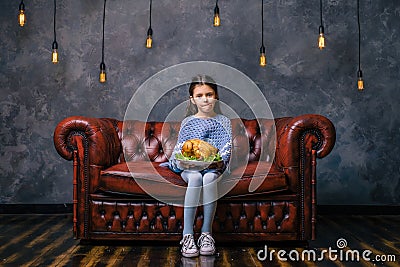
(197, 184)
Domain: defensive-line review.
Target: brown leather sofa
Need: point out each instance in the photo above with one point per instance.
(112, 158)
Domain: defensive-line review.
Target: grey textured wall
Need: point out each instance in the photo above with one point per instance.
(35, 94)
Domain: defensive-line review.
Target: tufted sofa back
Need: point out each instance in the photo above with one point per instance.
(252, 140)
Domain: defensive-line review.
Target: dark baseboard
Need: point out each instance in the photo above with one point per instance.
(321, 209)
(358, 210)
(35, 208)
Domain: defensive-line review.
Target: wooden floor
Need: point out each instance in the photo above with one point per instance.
(46, 240)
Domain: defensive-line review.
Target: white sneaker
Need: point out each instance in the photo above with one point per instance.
(189, 248)
(206, 244)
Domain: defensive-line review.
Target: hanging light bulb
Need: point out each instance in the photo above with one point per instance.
(54, 57)
(21, 16)
(102, 75)
(149, 40)
(217, 19)
(321, 37)
(54, 47)
(360, 82)
(263, 60)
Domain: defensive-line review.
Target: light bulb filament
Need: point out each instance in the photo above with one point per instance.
(102, 75)
(360, 84)
(21, 18)
(55, 56)
(321, 41)
(217, 20)
(321, 38)
(263, 60)
(149, 42)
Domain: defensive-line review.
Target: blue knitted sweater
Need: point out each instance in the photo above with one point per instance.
(215, 130)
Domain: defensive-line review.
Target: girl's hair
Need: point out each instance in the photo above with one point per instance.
(202, 80)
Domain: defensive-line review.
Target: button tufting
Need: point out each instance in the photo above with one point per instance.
(271, 213)
(102, 214)
(250, 226)
(116, 215)
(165, 225)
(264, 225)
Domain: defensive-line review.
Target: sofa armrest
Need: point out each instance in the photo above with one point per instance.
(103, 144)
(316, 132)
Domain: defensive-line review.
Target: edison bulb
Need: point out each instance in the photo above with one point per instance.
(217, 20)
(321, 41)
(360, 84)
(21, 18)
(149, 41)
(54, 57)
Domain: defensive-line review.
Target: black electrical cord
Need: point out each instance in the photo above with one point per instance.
(102, 45)
(54, 24)
(320, 8)
(359, 35)
(150, 14)
(262, 23)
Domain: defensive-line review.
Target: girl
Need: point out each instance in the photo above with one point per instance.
(203, 121)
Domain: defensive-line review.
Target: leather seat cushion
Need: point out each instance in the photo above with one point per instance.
(139, 177)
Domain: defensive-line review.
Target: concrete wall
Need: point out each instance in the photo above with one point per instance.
(299, 78)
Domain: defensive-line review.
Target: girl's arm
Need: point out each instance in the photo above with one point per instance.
(225, 150)
(185, 133)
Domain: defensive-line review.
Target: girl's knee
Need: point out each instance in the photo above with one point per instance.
(209, 178)
(192, 178)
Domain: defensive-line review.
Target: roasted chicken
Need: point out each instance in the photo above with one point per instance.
(198, 148)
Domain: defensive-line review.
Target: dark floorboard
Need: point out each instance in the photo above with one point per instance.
(46, 240)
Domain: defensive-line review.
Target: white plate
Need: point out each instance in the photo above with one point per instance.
(196, 165)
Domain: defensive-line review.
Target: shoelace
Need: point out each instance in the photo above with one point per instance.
(188, 242)
(206, 240)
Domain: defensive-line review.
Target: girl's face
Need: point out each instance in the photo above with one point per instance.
(204, 98)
